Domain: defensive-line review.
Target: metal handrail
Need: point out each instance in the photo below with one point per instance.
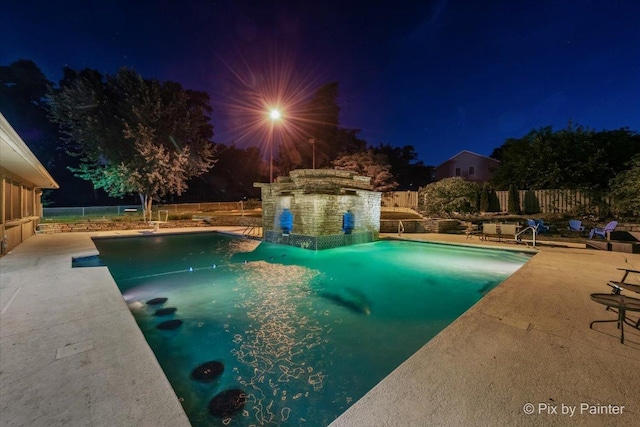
(534, 231)
(400, 228)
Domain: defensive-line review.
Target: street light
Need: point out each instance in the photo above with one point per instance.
(275, 115)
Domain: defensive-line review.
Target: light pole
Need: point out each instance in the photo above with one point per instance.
(275, 115)
(312, 141)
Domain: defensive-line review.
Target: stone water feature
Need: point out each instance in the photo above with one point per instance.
(320, 209)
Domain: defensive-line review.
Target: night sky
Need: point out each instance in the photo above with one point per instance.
(442, 76)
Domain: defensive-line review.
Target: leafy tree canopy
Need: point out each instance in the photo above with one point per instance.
(318, 120)
(134, 135)
(367, 163)
(23, 101)
(23, 90)
(409, 172)
(625, 190)
(576, 158)
(317, 133)
(232, 177)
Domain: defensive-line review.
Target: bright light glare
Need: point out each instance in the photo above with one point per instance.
(268, 104)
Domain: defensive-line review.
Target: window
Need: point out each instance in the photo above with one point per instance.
(457, 171)
(472, 170)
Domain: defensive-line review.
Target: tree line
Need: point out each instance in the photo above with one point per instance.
(119, 135)
(124, 134)
(604, 164)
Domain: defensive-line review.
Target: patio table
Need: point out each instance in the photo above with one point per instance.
(621, 302)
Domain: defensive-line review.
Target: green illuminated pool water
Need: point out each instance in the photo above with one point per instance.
(304, 334)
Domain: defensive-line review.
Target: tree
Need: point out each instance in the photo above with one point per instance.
(573, 158)
(369, 164)
(494, 202)
(625, 190)
(316, 120)
(409, 172)
(448, 196)
(513, 205)
(531, 203)
(134, 135)
(23, 89)
(233, 176)
(484, 198)
(23, 92)
(320, 121)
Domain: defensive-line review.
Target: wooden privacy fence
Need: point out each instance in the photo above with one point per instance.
(400, 199)
(553, 201)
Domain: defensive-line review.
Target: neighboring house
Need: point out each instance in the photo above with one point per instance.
(22, 178)
(468, 165)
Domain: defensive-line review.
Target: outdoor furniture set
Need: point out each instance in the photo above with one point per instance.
(501, 231)
(504, 231)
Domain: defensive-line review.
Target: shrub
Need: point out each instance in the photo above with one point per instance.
(448, 196)
(531, 203)
(513, 206)
(484, 199)
(625, 190)
(494, 202)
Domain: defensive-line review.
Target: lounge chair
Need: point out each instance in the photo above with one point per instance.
(489, 229)
(603, 232)
(575, 225)
(508, 230)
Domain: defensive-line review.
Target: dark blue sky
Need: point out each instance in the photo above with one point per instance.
(442, 76)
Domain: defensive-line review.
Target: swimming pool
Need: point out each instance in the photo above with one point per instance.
(303, 334)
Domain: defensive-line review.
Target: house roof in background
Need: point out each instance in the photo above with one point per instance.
(469, 152)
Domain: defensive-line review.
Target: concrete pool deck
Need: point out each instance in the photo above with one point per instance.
(72, 354)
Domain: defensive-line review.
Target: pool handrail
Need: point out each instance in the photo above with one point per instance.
(534, 232)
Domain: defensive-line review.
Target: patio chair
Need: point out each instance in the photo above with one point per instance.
(542, 228)
(575, 225)
(538, 225)
(489, 229)
(508, 230)
(603, 232)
